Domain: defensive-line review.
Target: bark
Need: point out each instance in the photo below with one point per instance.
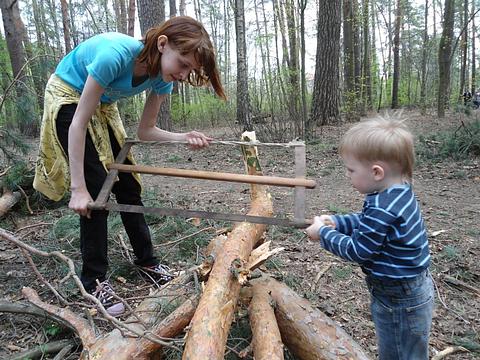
(473, 89)
(210, 325)
(350, 96)
(66, 26)
(131, 17)
(243, 98)
(464, 52)
(445, 57)
(14, 35)
(266, 339)
(423, 85)
(119, 347)
(366, 71)
(152, 13)
(303, 79)
(307, 332)
(293, 69)
(396, 55)
(80, 325)
(8, 200)
(326, 93)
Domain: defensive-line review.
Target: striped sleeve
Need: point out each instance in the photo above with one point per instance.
(345, 224)
(366, 240)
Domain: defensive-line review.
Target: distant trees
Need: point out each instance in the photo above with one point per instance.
(393, 53)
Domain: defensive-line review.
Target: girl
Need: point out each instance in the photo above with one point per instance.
(82, 131)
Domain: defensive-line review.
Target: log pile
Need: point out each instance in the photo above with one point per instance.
(278, 316)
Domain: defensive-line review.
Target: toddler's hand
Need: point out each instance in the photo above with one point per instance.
(318, 222)
(312, 230)
(327, 221)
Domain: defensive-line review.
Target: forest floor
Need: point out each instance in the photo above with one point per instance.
(448, 192)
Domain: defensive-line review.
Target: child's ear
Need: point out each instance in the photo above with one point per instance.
(162, 40)
(378, 172)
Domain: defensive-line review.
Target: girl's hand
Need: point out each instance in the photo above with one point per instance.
(79, 201)
(197, 140)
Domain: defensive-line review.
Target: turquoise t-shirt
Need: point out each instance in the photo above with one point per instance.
(109, 58)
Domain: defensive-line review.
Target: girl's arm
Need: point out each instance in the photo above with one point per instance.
(148, 131)
(76, 145)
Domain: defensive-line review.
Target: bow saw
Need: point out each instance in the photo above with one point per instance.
(299, 183)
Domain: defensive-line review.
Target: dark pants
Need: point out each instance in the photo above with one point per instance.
(93, 231)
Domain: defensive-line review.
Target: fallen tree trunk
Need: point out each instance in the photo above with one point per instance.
(8, 200)
(266, 340)
(210, 325)
(307, 332)
(119, 347)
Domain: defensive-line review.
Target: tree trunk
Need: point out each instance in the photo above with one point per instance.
(266, 339)
(326, 96)
(131, 18)
(396, 54)
(13, 25)
(15, 35)
(293, 70)
(303, 79)
(152, 13)
(423, 84)
(243, 99)
(464, 52)
(8, 200)
(445, 57)
(307, 332)
(357, 59)
(366, 78)
(349, 98)
(66, 26)
(473, 85)
(210, 325)
(277, 23)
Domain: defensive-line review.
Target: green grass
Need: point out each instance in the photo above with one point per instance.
(450, 253)
(343, 272)
(174, 158)
(468, 341)
(337, 210)
(66, 228)
(327, 170)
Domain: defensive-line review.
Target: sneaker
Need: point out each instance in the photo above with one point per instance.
(159, 273)
(104, 293)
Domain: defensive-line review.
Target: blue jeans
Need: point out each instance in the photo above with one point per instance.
(402, 313)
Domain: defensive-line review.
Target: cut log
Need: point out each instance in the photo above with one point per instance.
(266, 340)
(210, 325)
(8, 200)
(307, 332)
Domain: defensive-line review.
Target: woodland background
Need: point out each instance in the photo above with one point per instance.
(291, 69)
(369, 55)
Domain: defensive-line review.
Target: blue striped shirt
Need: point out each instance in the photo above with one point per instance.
(388, 238)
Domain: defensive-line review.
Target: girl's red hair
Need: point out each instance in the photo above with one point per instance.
(185, 35)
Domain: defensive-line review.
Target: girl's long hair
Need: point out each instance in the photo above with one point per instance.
(186, 35)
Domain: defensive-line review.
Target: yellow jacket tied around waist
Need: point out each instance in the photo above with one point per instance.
(52, 174)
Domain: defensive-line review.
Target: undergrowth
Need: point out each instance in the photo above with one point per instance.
(460, 143)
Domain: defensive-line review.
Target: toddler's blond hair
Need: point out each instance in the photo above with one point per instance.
(381, 139)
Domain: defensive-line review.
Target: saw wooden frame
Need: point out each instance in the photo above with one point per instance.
(299, 183)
